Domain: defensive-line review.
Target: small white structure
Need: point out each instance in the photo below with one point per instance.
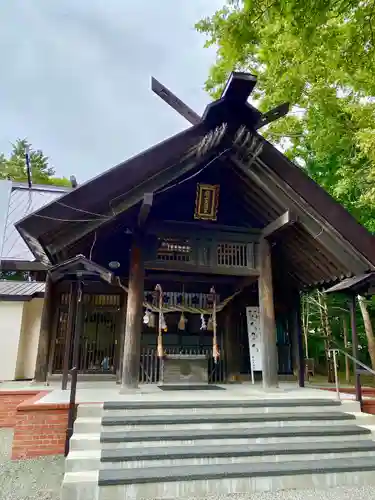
(21, 304)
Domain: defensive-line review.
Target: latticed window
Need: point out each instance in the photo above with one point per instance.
(112, 300)
(64, 298)
(232, 255)
(174, 249)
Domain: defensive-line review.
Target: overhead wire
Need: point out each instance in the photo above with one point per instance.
(104, 217)
(83, 211)
(195, 174)
(64, 220)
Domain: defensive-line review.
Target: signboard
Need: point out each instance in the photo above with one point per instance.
(207, 202)
(254, 333)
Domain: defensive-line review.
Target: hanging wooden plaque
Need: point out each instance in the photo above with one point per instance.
(207, 202)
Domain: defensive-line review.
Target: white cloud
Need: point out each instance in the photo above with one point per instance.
(76, 76)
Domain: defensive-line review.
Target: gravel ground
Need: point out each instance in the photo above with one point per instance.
(360, 493)
(38, 479)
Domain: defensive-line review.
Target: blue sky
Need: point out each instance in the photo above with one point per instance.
(75, 76)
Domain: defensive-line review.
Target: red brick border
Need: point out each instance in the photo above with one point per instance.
(368, 405)
(366, 391)
(40, 428)
(9, 401)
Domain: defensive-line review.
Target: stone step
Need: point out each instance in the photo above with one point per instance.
(225, 406)
(113, 424)
(226, 436)
(205, 480)
(218, 403)
(220, 436)
(202, 455)
(110, 421)
(207, 421)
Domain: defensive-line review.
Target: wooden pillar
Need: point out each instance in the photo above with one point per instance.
(78, 327)
(293, 331)
(134, 313)
(298, 338)
(267, 317)
(353, 322)
(41, 364)
(69, 334)
(295, 325)
(229, 342)
(121, 336)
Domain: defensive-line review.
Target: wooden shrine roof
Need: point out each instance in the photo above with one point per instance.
(327, 244)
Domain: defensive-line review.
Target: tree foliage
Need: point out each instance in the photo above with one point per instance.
(14, 166)
(318, 55)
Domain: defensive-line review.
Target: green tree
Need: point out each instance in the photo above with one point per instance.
(14, 167)
(318, 55)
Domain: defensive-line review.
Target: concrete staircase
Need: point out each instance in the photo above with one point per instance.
(194, 449)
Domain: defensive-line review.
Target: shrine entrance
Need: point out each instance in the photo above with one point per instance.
(100, 332)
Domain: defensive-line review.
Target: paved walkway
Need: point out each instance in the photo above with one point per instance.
(99, 391)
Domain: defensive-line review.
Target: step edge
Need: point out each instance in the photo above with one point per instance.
(110, 405)
(123, 455)
(224, 471)
(180, 434)
(108, 421)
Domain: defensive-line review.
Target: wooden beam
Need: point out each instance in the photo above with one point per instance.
(239, 86)
(276, 190)
(230, 344)
(336, 215)
(41, 364)
(353, 324)
(69, 334)
(279, 224)
(267, 317)
(134, 313)
(145, 209)
(121, 336)
(321, 228)
(273, 114)
(174, 102)
(298, 355)
(133, 197)
(186, 267)
(159, 277)
(13, 265)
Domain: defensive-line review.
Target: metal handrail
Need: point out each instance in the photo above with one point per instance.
(334, 351)
(356, 361)
(72, 409)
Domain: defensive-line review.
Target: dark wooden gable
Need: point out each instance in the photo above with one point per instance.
(257, 185)
(178, 201)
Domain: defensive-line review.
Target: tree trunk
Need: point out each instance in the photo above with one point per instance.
(327, 332)
(368, 329)
(347, 364)
(305, 324)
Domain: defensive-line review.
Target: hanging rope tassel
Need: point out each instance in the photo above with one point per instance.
(210, 324)
(203, 323)
(151, 320)
(161, 321)
(215, 347)
(182, 322)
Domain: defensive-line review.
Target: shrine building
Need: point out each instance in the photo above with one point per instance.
(189, 259)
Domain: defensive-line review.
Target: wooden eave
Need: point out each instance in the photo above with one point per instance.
(98, 201)
(324, 246)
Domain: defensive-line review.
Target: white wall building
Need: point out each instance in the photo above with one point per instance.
(21, 306)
